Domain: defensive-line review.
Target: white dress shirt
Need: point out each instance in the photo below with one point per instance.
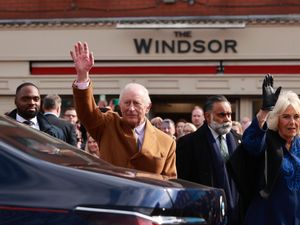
(35, 124)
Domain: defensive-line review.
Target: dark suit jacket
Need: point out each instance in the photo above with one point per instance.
(194, 155)
(67, 128)
(44, 125)
(250, 171)
(199, 160)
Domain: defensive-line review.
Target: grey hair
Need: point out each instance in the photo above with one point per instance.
(169, 121)
(285, 99)
(208, 106)
(137, 88)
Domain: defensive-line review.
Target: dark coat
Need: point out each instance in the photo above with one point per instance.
(44, 125)
(194, 155)
(255, 174)
(198, 159)
(68, 129)
(244, 169)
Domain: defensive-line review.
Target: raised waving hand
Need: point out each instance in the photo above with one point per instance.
(83, 61)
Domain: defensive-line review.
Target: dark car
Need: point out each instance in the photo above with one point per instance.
(44, 181)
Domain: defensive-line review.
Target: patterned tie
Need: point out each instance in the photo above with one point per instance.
(223, 147)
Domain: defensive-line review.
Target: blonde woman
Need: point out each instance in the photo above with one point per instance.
(237, 126)
(92, 147)
(189, 128)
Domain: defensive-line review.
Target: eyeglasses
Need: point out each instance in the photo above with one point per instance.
(289, 117)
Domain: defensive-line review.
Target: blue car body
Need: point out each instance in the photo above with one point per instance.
(45, 181)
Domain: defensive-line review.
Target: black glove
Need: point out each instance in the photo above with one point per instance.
(269, 96)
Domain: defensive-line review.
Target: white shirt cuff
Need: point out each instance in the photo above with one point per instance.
(82, 85)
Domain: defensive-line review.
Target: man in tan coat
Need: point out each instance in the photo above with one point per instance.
(128, 141)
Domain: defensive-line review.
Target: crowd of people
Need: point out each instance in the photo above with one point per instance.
(182, 127)
(256, 162)
(74, 132)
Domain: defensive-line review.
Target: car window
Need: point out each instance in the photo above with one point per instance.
(43, 146)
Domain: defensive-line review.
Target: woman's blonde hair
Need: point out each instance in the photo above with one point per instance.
(87, 149)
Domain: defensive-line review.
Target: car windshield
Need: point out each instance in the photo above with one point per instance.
(43, 146)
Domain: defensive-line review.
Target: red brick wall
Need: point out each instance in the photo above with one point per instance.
(34, 5)
(116, 4)
(45, 9)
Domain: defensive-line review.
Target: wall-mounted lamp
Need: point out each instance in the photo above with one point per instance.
(220, 68)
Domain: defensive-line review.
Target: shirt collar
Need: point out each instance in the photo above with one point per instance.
(50, 113)
(140, 128)
(215, 134)
(21, 119)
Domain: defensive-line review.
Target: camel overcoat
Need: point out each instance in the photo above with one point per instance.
(117, 141)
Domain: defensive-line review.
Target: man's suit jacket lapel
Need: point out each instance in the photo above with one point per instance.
(230, 139)
(150, 139)
(129, 138)
(212, 143)
(233, 140)
(43, 122)
(231, 143)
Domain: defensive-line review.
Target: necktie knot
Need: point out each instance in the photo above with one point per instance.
(28, 122)
(136, 132)
(221, 138)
